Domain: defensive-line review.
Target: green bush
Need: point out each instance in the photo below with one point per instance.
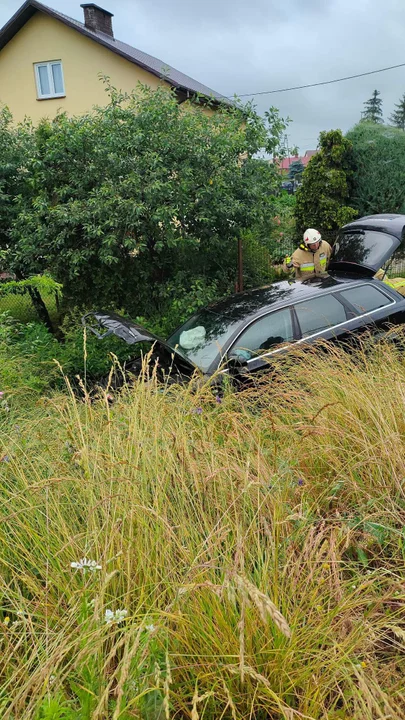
(283, 237)
(30, 357)
(379, 177)
(123, 200)
(258, 260)
(323, 197)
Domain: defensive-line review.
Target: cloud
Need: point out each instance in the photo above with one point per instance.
(235, 46)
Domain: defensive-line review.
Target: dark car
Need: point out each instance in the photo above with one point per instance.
(289, 186)
(243, 332)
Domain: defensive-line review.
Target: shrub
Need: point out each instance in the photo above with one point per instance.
(323, 197)
(379, 177)
(120, 201)
(30, 357)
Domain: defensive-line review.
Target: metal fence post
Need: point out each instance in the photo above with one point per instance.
(240, 265)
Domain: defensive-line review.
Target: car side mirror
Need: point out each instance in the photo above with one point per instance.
(236, 363)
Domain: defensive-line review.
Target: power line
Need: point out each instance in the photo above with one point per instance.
(325, 82)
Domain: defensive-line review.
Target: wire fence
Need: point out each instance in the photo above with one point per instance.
(20, 306)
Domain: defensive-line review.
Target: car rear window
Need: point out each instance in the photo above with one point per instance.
(366, 298)
(319, 314)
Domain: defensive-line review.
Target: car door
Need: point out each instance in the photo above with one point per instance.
(343, 316)
(376, 308)
(324, 316)
(266, 336)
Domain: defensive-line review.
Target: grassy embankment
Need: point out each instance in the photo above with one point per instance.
(249, 553)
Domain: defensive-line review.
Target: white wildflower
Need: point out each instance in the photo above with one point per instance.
(85, 564)
(150, 628)
(109, 616)
(116, 617)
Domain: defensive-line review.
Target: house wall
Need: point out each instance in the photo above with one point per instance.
(42, 39)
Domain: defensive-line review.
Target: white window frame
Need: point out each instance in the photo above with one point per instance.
(48, 65)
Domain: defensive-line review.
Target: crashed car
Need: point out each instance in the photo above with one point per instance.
(241, 334)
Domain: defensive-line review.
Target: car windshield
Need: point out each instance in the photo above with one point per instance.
(202, 338)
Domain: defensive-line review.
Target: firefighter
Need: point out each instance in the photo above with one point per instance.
(311, 257)
(397, 283)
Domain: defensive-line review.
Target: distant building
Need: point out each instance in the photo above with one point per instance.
(284, 164)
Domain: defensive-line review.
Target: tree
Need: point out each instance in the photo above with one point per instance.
(138, 200)
(397, 119)
(379, 161)
(295, 170)
(373, 109)
(17, 145)
(322, 198)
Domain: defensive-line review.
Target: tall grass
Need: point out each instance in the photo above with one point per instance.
(255, 543)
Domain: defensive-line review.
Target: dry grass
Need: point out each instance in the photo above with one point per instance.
(258, 548)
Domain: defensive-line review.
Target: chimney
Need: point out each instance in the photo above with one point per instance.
(97, 19)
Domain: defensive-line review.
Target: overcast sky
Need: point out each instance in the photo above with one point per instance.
(248, 46)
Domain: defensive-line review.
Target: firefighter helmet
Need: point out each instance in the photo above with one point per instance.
(312, 236)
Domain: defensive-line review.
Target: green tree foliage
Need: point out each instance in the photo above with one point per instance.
(134, 200)
(17, 144)
(379, 158)
(373, 109)
(322, 199)
(295, 170)
(398, 116)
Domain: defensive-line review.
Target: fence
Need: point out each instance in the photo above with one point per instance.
(21, 307)
(257, 265)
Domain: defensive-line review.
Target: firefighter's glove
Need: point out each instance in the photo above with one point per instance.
(289, 263)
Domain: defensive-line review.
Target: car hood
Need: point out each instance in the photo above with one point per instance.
(368, 243)
(129, 331)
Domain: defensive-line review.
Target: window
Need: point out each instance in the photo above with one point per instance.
(203, 336)
(319, 314)
(49, 78)
(273, 329)
(364, 247)
(366, 298)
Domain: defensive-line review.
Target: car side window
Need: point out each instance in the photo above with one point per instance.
(270, 330)
(319, 314)
(365, 298)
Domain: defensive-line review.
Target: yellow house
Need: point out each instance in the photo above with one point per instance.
(50, 62)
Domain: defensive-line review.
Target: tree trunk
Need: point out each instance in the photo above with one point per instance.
(41, 308)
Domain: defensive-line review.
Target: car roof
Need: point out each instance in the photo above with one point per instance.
(391, 223)
(246, 305)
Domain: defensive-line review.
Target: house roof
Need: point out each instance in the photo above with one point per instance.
(285, 163)
(181, 82)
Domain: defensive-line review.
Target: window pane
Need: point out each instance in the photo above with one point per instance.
(44, 86)
(366, 298)
(57, 78)
(318, 314)
(265, 333)
(203, 336)
(365, 247)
